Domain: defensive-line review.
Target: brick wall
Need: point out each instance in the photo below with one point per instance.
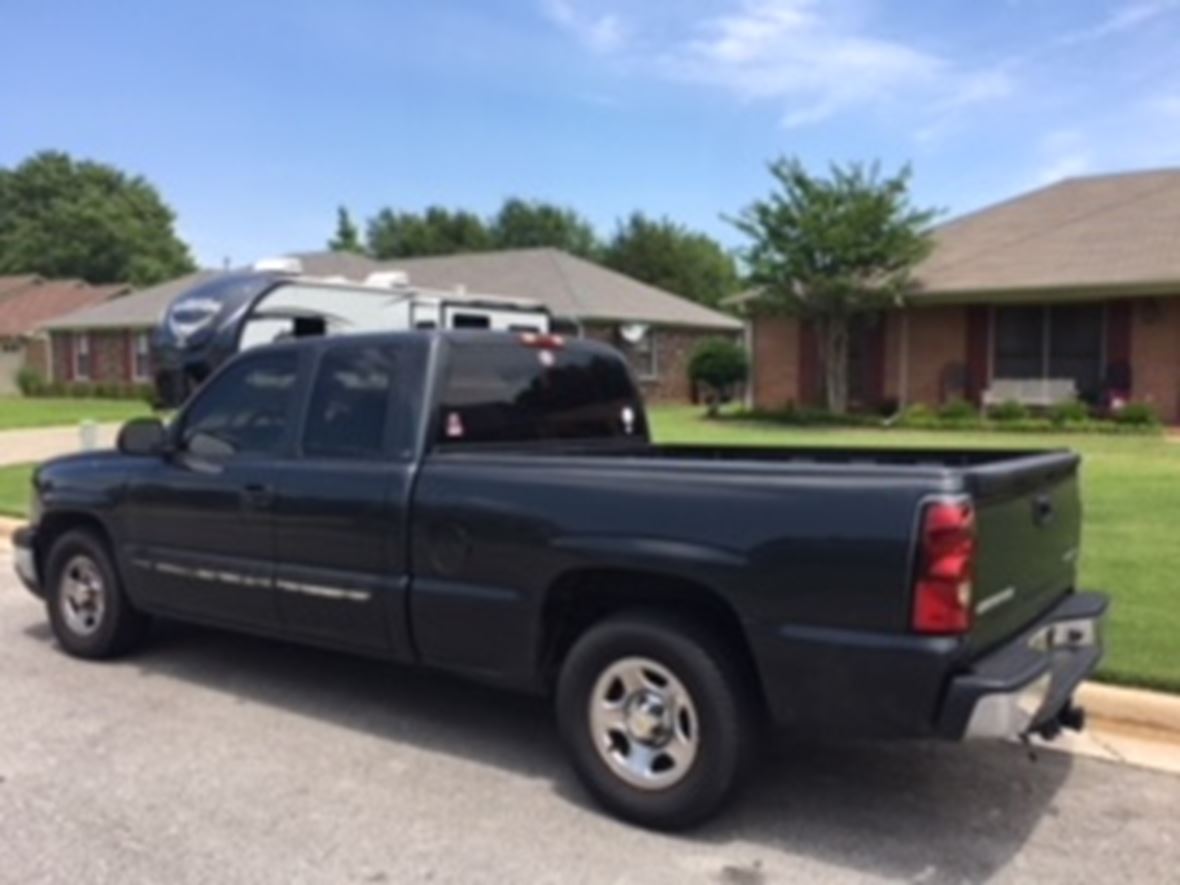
(775, 342)
(1155, 355)
(937, 339)
(673, 350)
(110, 356)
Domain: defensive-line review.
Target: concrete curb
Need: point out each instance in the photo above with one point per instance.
(1133, 707)
(8, 525)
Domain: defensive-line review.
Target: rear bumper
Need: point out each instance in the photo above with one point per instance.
(842, 683)
(1026, 684)
(24, 560)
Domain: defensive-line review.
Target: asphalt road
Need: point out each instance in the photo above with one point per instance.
(209, 757)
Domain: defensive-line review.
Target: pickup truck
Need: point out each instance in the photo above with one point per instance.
(491, 504)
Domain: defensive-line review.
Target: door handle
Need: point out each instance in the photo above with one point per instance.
(257, 496)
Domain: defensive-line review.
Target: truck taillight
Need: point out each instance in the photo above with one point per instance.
(946, 560)
(545, 341)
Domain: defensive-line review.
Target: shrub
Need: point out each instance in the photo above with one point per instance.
(919, 416)
(718, 364)
(29, 381)
(1008, 411)
(957, 409)
(1071, 412)
(1137, 415)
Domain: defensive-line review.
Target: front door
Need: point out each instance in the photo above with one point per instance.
(200, 523)
(341, 571)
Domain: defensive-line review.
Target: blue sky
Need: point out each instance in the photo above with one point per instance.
(257, 119)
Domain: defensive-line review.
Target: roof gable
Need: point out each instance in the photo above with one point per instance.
(22, 311)
(1098, 232)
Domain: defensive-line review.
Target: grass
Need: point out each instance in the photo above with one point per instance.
(1131, 491)
(1130, 485)
(14, 489)
(17, 411)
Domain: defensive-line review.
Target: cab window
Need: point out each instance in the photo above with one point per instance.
(349, 407)
(244, 410)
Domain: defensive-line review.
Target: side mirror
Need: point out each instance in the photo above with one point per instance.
(143, 436)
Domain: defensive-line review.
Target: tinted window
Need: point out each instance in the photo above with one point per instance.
(349, 403)
(246, 409)
(510, 392)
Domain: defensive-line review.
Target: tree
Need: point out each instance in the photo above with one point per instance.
(65, 218)
(347, 238)
(524, 224)
(834, 251)
(670, 256)
(437, 231)
(717, 364)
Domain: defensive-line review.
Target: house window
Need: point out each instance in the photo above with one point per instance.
(1055, 342)
(81, 356)
(641, 354)
(140, 357)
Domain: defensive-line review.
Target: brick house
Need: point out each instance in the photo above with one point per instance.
(28, 301)
(1072, 290)
(656, 329)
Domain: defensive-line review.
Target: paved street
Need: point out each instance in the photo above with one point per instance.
(210, 757)
(39, 443)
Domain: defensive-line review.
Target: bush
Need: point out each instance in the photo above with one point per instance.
(718, 364)
(29, 381)
(1137, 415)
(1008, 411)
(1072, 412)
(957, 409)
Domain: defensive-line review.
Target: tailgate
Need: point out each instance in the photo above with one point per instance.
(1028, 519)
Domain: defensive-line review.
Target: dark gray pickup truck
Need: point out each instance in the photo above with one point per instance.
(492, 505)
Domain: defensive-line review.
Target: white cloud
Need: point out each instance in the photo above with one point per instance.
(1123, 19)
(1065, 154)
(601, 33)
(814, 59)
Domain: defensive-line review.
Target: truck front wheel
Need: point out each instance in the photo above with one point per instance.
(655, 719)
(88, 611)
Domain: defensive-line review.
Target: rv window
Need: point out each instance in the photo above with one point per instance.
(517, 328)
(349, 404)
(471, 321)
(426, 324)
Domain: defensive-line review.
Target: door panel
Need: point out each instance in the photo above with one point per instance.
(199, 521)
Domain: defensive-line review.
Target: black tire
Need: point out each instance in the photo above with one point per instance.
(725, 726)
(113, 630)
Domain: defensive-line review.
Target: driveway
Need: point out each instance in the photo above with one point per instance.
(35, 444)
(213, 757)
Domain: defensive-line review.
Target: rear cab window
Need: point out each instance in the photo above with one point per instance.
(507, 391)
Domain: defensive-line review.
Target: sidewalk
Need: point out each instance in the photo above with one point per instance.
(34, 444)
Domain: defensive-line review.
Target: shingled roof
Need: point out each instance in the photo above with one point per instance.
(569, 286)
(1097, 235)
(26, 307)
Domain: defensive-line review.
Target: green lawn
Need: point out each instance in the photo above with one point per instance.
(1131, 489)
(17, 411)
(14, 489)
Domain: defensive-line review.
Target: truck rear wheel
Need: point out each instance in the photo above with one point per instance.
(655, 719)
(88, 611)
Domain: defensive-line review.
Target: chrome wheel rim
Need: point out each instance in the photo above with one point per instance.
(644, 723)
(82, 596)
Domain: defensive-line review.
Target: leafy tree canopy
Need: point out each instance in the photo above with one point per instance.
(347, 237)
(437, 231)
(670, 256)
(522, 224)
(61, 217)
(834, 249)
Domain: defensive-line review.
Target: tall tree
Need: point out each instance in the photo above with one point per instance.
(522, 224)
(437, 231)
(347, 237)
(61, 217)
(668, 255)
(833, 251)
